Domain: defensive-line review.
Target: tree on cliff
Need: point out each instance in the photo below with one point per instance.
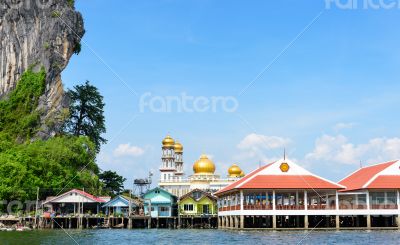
(86, 114)
(113, 182)
(27, 162)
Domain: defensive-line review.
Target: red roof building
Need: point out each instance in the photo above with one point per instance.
(283, 194)
(74, 202)
(380, 176)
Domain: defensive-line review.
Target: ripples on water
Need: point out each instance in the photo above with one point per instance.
(199, 237)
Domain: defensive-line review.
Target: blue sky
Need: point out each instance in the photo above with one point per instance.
(331, 98)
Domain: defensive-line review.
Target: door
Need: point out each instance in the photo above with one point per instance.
(206, 209)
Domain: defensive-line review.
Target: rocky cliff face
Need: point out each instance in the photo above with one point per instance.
(38, 33)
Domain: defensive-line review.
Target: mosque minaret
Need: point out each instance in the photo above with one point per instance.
(172, 177)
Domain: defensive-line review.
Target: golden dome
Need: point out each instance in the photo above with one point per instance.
(234, 171)
(168, 141)
(204, 166)
(242, 174)
(178, 147)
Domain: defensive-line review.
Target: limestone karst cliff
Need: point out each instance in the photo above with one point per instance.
(38, 33)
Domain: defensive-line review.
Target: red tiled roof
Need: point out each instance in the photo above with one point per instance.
(94, 198)
(236, 183)
(385, 182)
(288, 182)
(256, 180)
(90, 196)
(358, 179)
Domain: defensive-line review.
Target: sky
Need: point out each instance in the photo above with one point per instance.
(241, 81)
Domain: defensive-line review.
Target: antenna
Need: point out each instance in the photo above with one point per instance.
(284, 153)
(361, 164)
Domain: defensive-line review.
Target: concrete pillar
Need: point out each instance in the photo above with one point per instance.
(273, 200)
(129, 223)
(158, 223)
(237, 222)
(337, 200)
(274, 221)
(219, 222)
(149, 223)
(368, 221)
(69, 223)
(305, 202)
(398, 221)
(337, 222)
(241, 221)
(306, 221)
(241, 200)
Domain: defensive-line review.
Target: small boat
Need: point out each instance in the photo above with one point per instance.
(119, 226)
(22, 228)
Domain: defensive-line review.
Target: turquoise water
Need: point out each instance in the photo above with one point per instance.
(199, 237)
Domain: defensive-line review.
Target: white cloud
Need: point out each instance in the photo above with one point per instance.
(338, 149)
(259, 141)
(256, 148)
(128, 150)
(340, 126)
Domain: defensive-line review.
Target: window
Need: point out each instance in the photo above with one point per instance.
(197, 194)
(188, 207)
(152, 209)
(164, 209)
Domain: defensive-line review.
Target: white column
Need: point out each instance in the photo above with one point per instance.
(337, 200)
(368, 207)
(273, 200)
(398, 199)
(305, 200)
(385, 199)
(297, 198)
(241, 200)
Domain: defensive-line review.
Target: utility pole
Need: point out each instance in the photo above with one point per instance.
(130, 210)
(36, 208)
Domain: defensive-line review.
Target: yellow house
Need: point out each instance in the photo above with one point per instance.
(197, 203)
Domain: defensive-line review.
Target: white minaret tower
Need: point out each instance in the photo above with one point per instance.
(168, 166)
(178, 160)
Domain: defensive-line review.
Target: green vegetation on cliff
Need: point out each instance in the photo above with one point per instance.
(19, 117)
(26, 163)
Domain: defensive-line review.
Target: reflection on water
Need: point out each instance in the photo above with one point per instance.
(199, 237)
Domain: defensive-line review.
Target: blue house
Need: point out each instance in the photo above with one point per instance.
(119, 205)
(163, 203)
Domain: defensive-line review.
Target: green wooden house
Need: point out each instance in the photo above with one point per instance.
(197, 203)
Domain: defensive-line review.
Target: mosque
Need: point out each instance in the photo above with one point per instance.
(172, 176)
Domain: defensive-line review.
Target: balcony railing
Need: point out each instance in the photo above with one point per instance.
(384, 206)
(320, 207)
(352, 206)
(290, 207)
(309, 207)
(257, 207)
